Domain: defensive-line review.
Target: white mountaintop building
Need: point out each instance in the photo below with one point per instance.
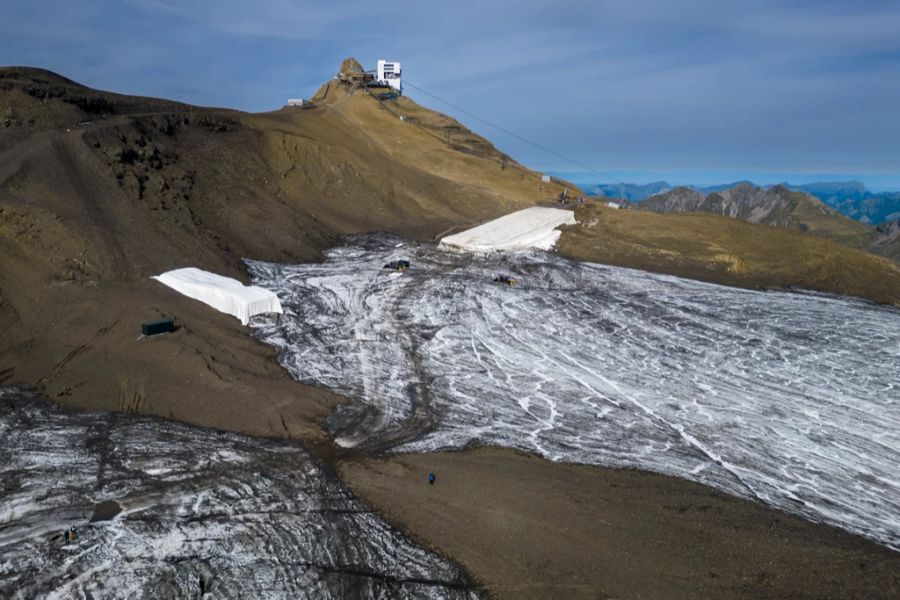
(389, 73)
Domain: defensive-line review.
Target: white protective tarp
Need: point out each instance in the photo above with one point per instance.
(222, 293)
(530, 228)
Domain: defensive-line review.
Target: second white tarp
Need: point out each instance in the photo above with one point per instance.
(530, 228)
(222, 293)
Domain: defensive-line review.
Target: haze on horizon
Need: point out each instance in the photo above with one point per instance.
(692, 91)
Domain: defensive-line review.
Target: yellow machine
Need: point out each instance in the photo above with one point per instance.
(397, 265)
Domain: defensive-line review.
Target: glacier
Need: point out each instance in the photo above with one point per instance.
(791, 399)
(202, 513)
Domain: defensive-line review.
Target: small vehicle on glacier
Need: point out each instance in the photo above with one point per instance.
(397, 265)
(505, 280)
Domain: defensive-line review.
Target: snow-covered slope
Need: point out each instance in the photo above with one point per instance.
(534, 227)
(791, 399)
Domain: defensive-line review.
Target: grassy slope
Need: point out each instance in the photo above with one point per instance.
(803, 212)
(821, 220)
(723, 250)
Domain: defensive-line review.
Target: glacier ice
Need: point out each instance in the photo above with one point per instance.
(791, 399)
(203, 512)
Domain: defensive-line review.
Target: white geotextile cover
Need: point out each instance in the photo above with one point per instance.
(222, 293)
(521, 230)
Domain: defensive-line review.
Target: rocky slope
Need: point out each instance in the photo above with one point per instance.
(777, 206)
(850, 198)
(855, 200)
(888, 240)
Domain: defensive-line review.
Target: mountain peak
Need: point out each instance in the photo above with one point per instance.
(36, 75)
(350, 65)
(835, 187)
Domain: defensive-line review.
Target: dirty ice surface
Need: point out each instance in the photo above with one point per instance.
(202, 512)
(534, 227)
(788, 398)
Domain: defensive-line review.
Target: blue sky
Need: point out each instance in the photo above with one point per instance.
(639, 90)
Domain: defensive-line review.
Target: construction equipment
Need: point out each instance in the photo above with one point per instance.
(397, 265)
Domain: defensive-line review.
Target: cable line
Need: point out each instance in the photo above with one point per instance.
(503, 129)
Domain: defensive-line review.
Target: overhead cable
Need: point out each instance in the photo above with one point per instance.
(499, 128)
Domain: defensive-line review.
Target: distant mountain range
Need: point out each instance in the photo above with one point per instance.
(779, 206)
(633, 192)
(850, 198)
